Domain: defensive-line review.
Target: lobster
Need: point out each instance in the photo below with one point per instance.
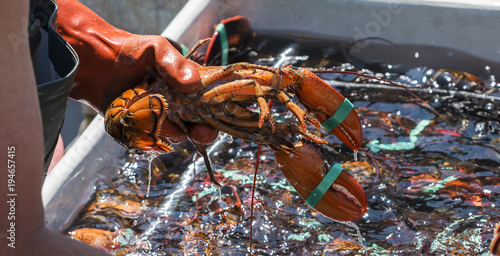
(134, 119)
(101, 239)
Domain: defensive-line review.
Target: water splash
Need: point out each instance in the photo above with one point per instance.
(355, 227)
(151, 157)
(221, 202)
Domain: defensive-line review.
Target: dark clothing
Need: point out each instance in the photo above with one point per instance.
(55, 64)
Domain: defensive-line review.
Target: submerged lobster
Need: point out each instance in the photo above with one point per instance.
(134, 120)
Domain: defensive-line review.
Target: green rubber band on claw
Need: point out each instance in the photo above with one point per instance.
(339, 116)
(224, 44)
(323, 186)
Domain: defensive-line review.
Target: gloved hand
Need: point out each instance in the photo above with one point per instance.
(113, 60)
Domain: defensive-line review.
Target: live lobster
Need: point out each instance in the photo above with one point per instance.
(134, 119)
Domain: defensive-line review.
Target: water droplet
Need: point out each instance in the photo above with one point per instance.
(219, 136)
(489, 106)
(487, 68)
(465, 123)
(480, 127)
(417, 55)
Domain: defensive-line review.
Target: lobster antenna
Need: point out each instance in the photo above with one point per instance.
(196, 46)
(382, 80)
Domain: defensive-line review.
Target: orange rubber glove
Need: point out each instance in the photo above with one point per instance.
(113, 61)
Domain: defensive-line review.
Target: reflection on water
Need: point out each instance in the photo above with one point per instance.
(431, 181)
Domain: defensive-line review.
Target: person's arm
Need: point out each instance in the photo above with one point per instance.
(113, 60)
(21, 208)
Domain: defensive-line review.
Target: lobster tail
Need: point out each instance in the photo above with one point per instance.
(134, 119)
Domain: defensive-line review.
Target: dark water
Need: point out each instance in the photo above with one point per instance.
(431, 181)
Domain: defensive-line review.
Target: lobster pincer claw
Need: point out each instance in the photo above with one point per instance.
(330, 190)
(335, 112)
(230, 41)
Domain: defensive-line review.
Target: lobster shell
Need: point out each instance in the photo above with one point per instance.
(305, 168)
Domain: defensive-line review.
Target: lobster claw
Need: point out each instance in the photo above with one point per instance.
(229, 41)
(306, 167)
(333, 110)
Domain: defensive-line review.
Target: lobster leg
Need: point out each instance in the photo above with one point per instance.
(265, 114)
(238, 116)
(235, 91)
(260, 136)
(295, 129)
(233, 88)
(227, 70)
(297, 111)
(235, 121)
(203, 152)
(241, 89)
(273, 86)
(288, 127)
(196, 46)
(237, 111)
